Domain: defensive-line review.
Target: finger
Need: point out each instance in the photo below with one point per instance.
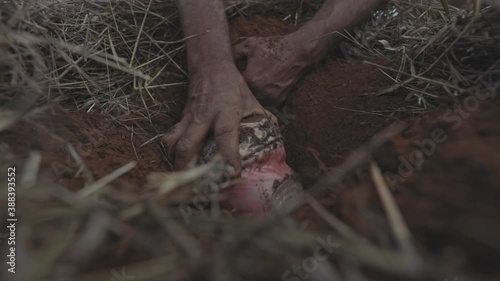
(242, 49)
(255, 109)
(270, 116)
(172, 136)
(189, 145)
(227, 139)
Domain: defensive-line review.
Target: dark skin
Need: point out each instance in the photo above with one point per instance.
(220, 96)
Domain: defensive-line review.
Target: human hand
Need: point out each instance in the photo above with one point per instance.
(218, 99)
(274, 65)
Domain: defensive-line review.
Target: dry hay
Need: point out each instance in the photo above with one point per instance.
(99, 54)
(436, 54)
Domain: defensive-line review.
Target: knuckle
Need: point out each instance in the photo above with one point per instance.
(200, 110)
(183, 147)
(201, 115)
(200, 107)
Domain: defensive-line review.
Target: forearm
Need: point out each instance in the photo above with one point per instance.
(318, 35)
(205, 23)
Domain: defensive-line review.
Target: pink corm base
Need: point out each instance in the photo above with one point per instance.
(259, 185)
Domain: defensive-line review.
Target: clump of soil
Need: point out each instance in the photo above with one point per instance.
(334, 111)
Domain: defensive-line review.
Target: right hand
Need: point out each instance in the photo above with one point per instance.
(218, 100)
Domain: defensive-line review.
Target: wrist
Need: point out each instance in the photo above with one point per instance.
(207, 36)
(309, 46)
(206, 55)
(318, 35)
(213, 67)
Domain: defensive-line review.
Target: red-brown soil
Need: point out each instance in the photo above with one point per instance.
(105, 146)
(334, 110)
(449, 201)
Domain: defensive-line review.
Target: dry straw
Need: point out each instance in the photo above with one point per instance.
(97, 54)
(433, 53)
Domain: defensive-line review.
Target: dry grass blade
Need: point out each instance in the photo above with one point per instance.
(89, 239)
(136, 45)
(6, 121)
(89, 178)
(336, 223)
(167, 182)
(446, 6)
(444, 55)
(355, 159)
(23, 69)
(97, 185)
(179, 234)
(395, 217)
(30, 170)
(369, 255)
(150, 270)
(44, 262)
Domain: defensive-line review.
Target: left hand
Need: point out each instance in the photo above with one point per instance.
(274, 65)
